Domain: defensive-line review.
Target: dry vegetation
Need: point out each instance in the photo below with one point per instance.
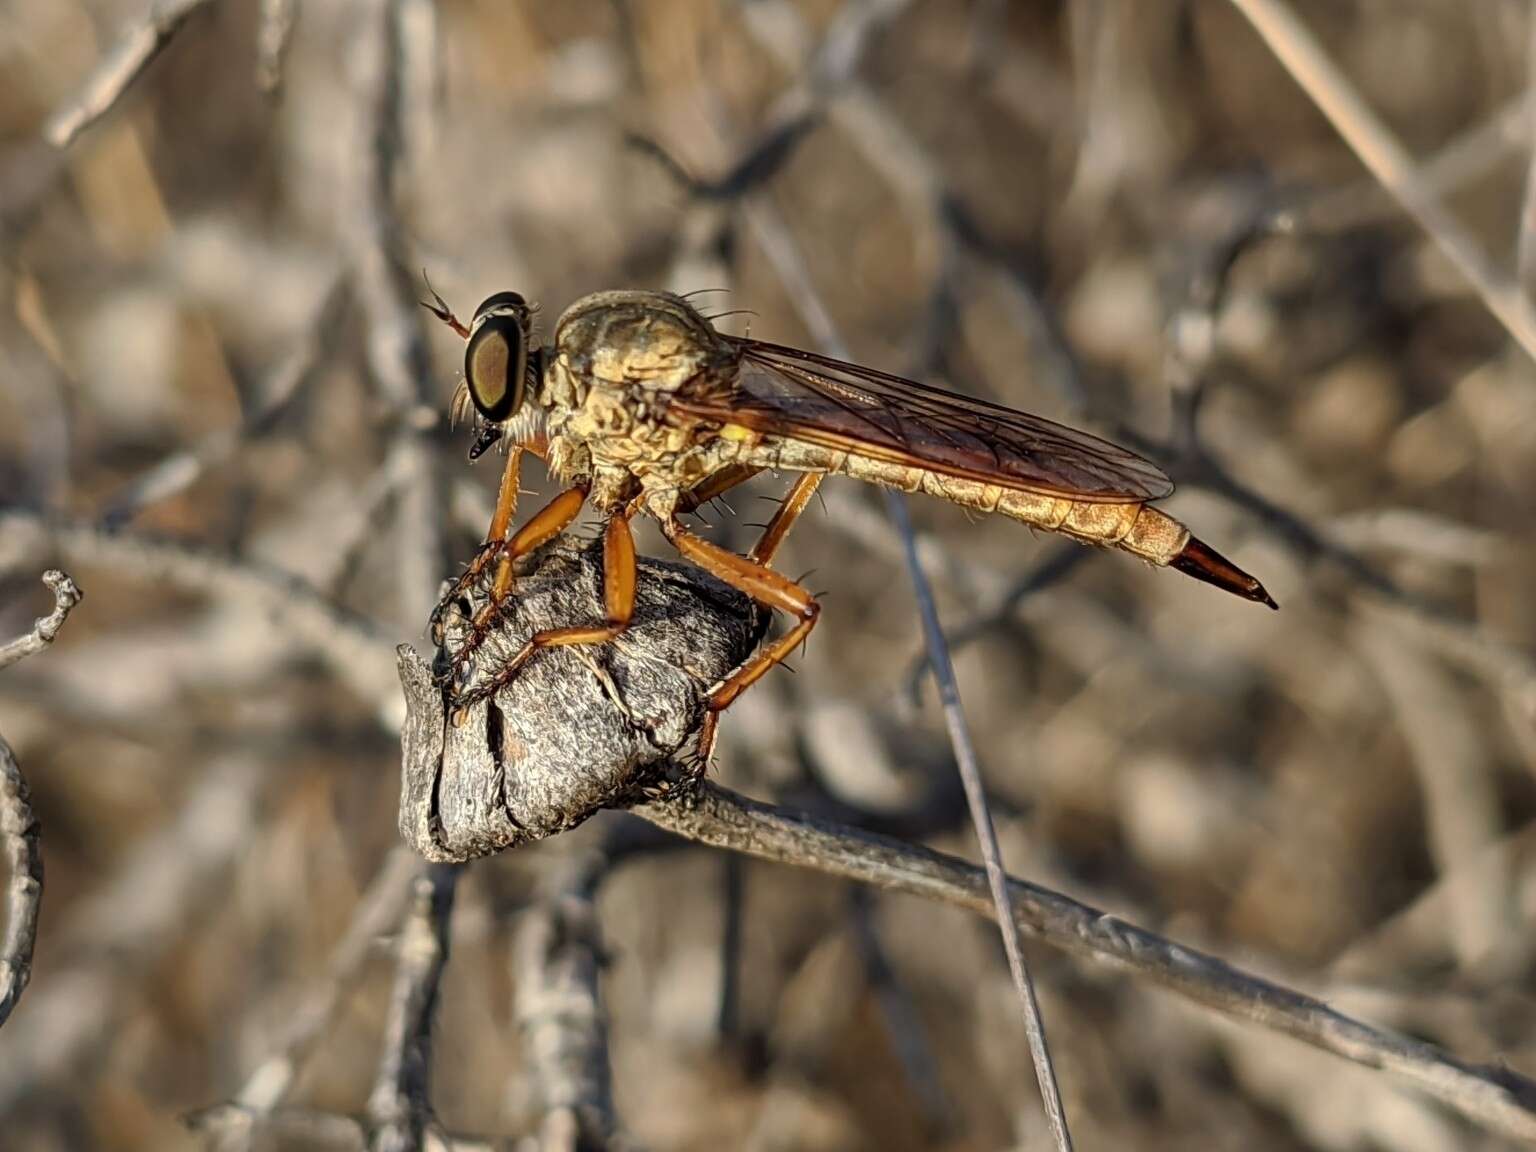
(222, 415)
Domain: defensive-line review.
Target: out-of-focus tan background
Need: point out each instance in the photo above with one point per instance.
(1021, 200)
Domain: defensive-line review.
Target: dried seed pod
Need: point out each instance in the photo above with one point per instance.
(577, 728)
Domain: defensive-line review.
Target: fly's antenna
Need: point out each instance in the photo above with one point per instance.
(439, 308)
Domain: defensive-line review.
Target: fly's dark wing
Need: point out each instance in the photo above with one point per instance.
(788, 392)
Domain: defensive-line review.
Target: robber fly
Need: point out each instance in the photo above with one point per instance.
(641, 406)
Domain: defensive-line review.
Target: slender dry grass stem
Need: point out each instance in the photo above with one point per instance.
(1381, 152)
(786, 259)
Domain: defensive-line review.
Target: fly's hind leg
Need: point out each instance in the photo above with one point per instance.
(618, 608)
(751, 575)
(784, 517)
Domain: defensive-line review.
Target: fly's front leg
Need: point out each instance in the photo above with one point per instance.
(618, 608)
(551, 520)
(763, 585)
(494, 546)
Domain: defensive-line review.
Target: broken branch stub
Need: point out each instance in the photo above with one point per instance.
(577, 728)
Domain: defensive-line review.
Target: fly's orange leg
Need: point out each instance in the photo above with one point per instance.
(618, 608)
(718, 484)
(752, 576)
(784, 519)
(495, 544)
(551, 520)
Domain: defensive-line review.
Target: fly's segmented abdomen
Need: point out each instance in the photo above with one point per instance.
(1135, 528)
(1140, 529)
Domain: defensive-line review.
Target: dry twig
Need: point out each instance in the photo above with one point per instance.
(785, 257)
(400, 1108)
(577, 728)
(981, 815)
(1492, 1096)
(397, 357)
(556, 959)
(273, 36)
(65, 596)
(359, 651)
(1381, 152)
(21, 836)
(139, 45)
(20, 833)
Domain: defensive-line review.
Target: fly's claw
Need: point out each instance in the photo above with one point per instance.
(463, 671)
(463, 698)
(457, 675)
(456, 602)
(438, 621)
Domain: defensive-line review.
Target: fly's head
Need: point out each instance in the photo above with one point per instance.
(502, 369)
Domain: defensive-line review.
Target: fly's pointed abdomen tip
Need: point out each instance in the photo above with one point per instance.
(1203, 562)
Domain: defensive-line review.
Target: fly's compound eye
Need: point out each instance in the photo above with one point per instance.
(496, 360)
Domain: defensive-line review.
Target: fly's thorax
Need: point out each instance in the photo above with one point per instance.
(639, 341)
(622, 426)
(568, 459)
(616, 360)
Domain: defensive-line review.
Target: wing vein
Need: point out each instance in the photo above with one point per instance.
(794, 394)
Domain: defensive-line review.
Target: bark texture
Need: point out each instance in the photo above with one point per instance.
(577, 728)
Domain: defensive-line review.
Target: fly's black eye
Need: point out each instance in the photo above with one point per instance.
(496, 360)
(501, 302)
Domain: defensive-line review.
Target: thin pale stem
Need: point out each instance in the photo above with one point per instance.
(1386, 159)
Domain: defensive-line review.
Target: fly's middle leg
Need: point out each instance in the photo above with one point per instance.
(717, 485)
